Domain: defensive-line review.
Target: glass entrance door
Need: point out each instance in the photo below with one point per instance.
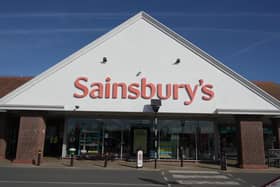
(140, 140)
(54, 137)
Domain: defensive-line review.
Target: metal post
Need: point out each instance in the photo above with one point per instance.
(223, 161)
(72, 152)
(105, 160)
(155, 104)
(196, 142)
(64, 145)
(156, 146)
(182, 156)
(72, 160)
(39, 158)
(103, 139)
(155, 160)
(121, 157)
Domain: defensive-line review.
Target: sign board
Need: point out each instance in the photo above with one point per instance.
(139, 162)
(129, 77)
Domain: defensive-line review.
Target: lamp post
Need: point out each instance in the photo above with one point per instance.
(155, 104)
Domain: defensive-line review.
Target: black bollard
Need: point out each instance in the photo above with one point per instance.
(223, 161)
(105, 160)
(182, 156)
(39, 158)
(155, 160)
(72, 160)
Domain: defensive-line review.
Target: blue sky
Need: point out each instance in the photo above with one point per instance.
(242, 34)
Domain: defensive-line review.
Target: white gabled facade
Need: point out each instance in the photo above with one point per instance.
(140, 54)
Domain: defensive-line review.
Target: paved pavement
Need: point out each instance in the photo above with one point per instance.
(56, 172)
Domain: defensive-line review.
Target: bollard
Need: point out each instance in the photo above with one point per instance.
(72, 152)
(223, 161)
(72, 160)
(139, 158)
(105, 160)
(155, 160)
(39, 158)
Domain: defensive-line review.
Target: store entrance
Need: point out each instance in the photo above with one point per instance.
(54, 137)
(140, 140)
(12, 137)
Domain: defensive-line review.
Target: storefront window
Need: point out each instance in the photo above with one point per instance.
(187, 139)
(206, 139)
(194, 138)
(228, 138)
(169, 136)
(112, 130)
(85, 135)
(121, 138)
(269, 136)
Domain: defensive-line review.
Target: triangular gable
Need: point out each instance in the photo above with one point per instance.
(34, 95)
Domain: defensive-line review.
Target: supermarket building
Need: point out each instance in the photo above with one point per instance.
(98, 100)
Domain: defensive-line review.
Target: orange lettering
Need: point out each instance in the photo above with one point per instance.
(132, 88)
(81, 87)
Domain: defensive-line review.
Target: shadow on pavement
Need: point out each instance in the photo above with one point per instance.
(129, 166)
(101, 165)
(66, 164)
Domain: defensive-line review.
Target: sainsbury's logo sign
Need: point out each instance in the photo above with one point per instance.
(144, 90)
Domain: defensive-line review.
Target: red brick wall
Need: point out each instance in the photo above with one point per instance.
(30, 139)
(3, 143)
(252, 144)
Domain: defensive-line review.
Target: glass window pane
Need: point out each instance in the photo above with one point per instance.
(205, 140)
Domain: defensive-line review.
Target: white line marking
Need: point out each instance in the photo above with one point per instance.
(241, 180)
(230, 175)
(194, 172)
(200, 176)
(169, 185)
(76, 183)
(208, 182)
(165, 178)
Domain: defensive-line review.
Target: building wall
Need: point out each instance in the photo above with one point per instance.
(3, 141)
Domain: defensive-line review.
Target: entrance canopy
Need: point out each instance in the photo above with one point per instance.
(140, 60)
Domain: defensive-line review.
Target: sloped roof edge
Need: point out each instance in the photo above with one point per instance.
(72, 57)
(142, 15)
(213, 61)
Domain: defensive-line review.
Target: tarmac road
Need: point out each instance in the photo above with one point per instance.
(52, 177)
(46, 177)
